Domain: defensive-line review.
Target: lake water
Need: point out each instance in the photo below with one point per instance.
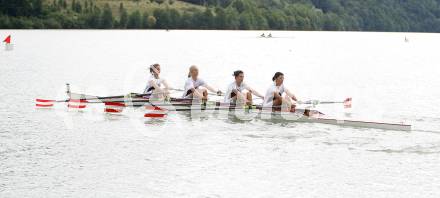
(60, 153)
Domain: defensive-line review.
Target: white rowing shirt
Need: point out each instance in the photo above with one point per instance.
(233, 86)
(149, 88)
(192, 84)
(268, 99)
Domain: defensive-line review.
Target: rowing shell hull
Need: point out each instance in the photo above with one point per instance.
(182, 105)
(355, 123)
(298, 116)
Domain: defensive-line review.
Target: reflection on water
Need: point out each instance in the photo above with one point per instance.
(426, 150)
(155, 121)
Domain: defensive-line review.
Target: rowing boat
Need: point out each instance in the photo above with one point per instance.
(306, 114)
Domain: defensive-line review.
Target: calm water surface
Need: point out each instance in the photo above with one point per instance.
(60, 153)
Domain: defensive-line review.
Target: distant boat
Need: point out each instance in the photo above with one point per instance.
(264, 35)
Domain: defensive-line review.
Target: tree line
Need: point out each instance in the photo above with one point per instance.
(347, 15)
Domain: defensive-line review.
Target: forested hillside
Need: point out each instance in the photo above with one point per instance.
(342, 15)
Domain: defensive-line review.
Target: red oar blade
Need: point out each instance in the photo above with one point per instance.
(155, 115)
(154, 108)
(77, 104)
(114, 107)
(44, 103)
(155, 112)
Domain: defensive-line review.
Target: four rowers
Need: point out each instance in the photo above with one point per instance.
(238, 92)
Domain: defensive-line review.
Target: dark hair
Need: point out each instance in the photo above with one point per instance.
(277, 74)
(237, 73)
(153, 65)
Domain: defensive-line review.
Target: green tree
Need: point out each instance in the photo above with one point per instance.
(151, 21)
(246, 21)
(175, 18)
(159, 1)
(123, 19)
(64, 3)
(208, 19)
(37, 8)
(187, 21)
(162, 18)
(107, 17)
(232, 19)
(239, 5)
(93, 19)
(121, 7)
(260, 22)
(145, 16)
(220, 18)
(135, 20)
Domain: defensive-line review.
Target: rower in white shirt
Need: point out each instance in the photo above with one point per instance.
(197, 88)
(239, 92)
(274, 95)
(156, 86)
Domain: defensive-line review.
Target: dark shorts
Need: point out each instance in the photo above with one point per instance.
(188, 92)
(274, 97)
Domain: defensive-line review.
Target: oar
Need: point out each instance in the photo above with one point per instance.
(72, 103)
(130, 95)
(84, 98)
(47, 103)
(110, 106)
(347, 102)
(89, 97)
(213, 94)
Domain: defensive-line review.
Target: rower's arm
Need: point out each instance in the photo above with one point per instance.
(211, 89)
(253, 91)
(165, 84)
(291, 95)
(197, 93)
(156, 87)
